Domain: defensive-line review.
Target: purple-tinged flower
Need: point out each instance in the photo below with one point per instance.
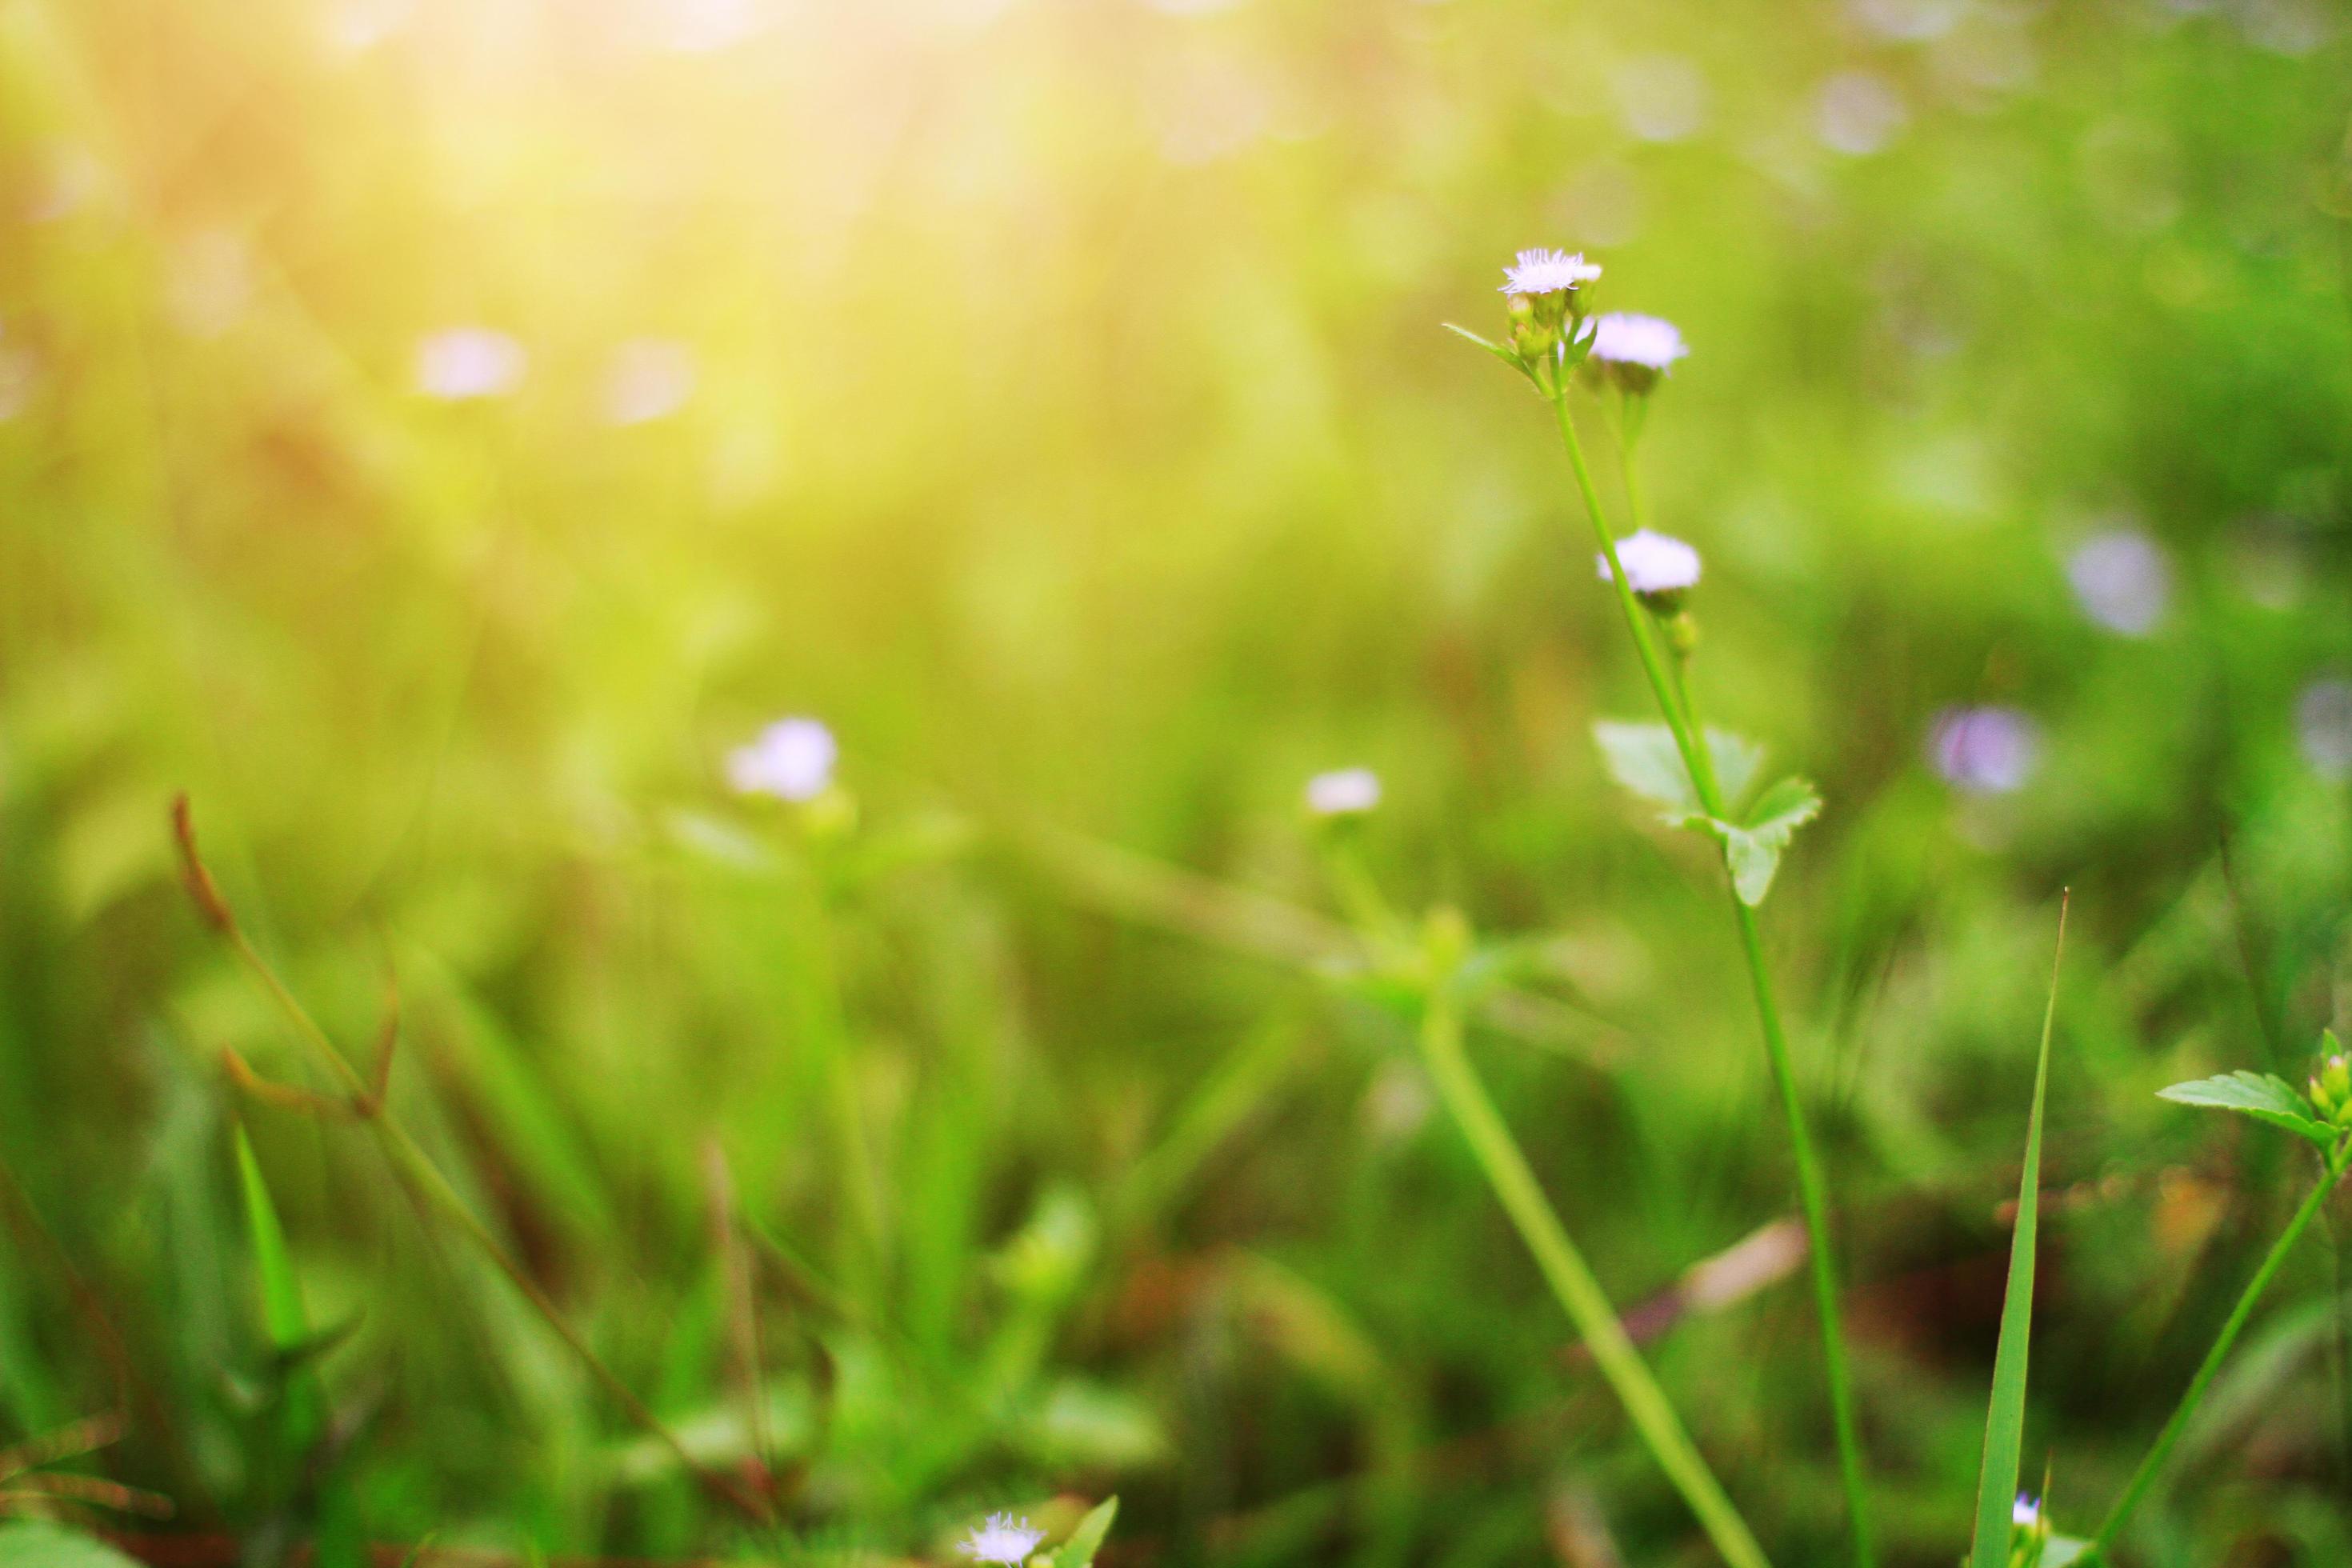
(792, 759)
(1622, 337)
(1345, 792)
(2123, 580)
(1548, 272)
(1655, 564)
(1001, 1538)
(1985, 750)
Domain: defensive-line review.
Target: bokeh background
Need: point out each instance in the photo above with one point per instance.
(432, 433)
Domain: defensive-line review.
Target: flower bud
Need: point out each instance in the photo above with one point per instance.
(2331, 1088)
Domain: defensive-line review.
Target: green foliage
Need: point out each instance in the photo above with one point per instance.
(1644, 759)
(37, 1545)
(2004, 1435)
(2262, 1096)
(1078, 1550)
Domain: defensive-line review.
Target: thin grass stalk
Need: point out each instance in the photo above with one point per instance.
(1572, 1282)
(423, 1180)
(2153, 1465)
(1669, 688)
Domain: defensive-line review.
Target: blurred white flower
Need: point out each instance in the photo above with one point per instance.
(1001, 1538)
(792, 759)
(1908, 21)
(461, 363)
(2322, 727)
(648, 378)
(705, 26)
(1985, 750)
(1662, 97)
(1655, 563)
(355, 26)
(1347, 792)
(2026, 1511)
(209, 284)
(1547, 272)
(1628, 339)
(20, 373)
(72, 178)
(2123, 579)
(1858, 113)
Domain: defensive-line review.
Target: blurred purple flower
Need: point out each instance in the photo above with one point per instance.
(1985, 750)
(1626, 338)
(2322, 727)
(2123, 579)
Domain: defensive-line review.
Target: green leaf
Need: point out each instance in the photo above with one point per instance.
(1753, 852)
(31, 1545)
(288, 1326)
(2258, 1095)
(2060, 1549)
(2004, 1437)
(1645, 759)
(1078, 1550)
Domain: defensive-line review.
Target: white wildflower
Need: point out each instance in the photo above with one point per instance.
(1347, 792)
(1548, 272)
(1001, 1538)
(463, 363)
(792, 759)
(1655, 563)
(2026, 1512)
(1624, 338)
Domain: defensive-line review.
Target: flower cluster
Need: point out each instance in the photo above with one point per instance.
(2331, 1086)
(1003, 1539)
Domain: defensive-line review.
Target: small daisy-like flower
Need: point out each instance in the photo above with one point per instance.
(1656, 564)
(1622, 337)
(1548, 272)
(2026, 1512)
(792, 759)
(466, 363)
(1348, 792)
(1001, 1538)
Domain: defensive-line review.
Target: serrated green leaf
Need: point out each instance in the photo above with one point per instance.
(1645, 759)
(1753, 852)
(2004, 1438)
(2258, 1095)
(1078, 1550)
(35, 1545)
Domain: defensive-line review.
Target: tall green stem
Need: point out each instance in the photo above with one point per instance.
(1682, 719)
(2150, 1467)
(1571, 1281)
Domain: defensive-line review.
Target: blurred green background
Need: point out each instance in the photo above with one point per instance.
(1050, 395)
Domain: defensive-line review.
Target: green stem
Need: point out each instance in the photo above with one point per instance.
(1571, 1280)
(1810, 1189)
(2145, 1476)
(1683, 720)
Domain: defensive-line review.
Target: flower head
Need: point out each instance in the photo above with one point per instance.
(2331, 1085)
(2026, 1512)
(1348, 792)
(464, 363)
(1001, 1538)
(1657, 566)
(1985, 750)
(1548, 272)
(792, 759)
(1622, 337)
